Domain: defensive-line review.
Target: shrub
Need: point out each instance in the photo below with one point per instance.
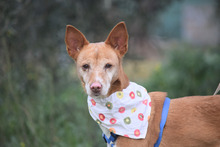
(187, 71)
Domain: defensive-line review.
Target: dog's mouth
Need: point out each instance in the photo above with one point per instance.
(97, 93)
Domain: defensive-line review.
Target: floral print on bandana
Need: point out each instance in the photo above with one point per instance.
(124, 113)
(132, 95)
(120, 94)
(109, 105)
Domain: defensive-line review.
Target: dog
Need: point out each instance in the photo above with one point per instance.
(192, 121)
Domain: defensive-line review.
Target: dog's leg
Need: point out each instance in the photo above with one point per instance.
(106, 132)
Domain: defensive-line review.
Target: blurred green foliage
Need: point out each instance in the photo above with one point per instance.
(185, 71)
(48, 118)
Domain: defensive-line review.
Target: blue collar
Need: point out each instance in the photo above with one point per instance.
(164, 115)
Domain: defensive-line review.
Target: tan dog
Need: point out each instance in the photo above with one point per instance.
(191, 122)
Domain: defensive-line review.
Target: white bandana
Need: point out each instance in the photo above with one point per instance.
(125, 113)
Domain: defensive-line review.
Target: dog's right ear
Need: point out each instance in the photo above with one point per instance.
(75, 41)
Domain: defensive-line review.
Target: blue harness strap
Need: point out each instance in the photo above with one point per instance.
(164, 115)
(111, 139)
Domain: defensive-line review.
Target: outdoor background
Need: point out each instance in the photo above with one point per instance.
(174, 46)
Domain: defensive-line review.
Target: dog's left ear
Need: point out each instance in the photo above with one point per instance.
(118, 38)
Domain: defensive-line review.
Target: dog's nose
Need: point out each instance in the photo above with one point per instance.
(96, 87)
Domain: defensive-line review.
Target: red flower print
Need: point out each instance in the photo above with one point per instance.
(101, 117)
(113, 121)
(121, 109)
(150, 104)
(145, 102)
(132, 95)
(141, 116)
(137, 133)
(93, 102)
(126, 136)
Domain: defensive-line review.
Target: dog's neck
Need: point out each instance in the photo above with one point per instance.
(120, 83)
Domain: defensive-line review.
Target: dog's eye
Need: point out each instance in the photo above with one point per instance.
(108, 66)
(85, 66)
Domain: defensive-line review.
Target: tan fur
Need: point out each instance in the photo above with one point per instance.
(192, 121)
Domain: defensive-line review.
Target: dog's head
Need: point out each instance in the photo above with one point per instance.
(98, 64)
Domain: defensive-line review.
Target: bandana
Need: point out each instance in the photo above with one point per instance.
(125, 113)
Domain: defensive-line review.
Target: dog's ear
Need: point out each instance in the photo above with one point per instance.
(75, 41)
(118, 38)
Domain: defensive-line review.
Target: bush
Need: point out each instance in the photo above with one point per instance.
(187, 71)
(51, 114)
